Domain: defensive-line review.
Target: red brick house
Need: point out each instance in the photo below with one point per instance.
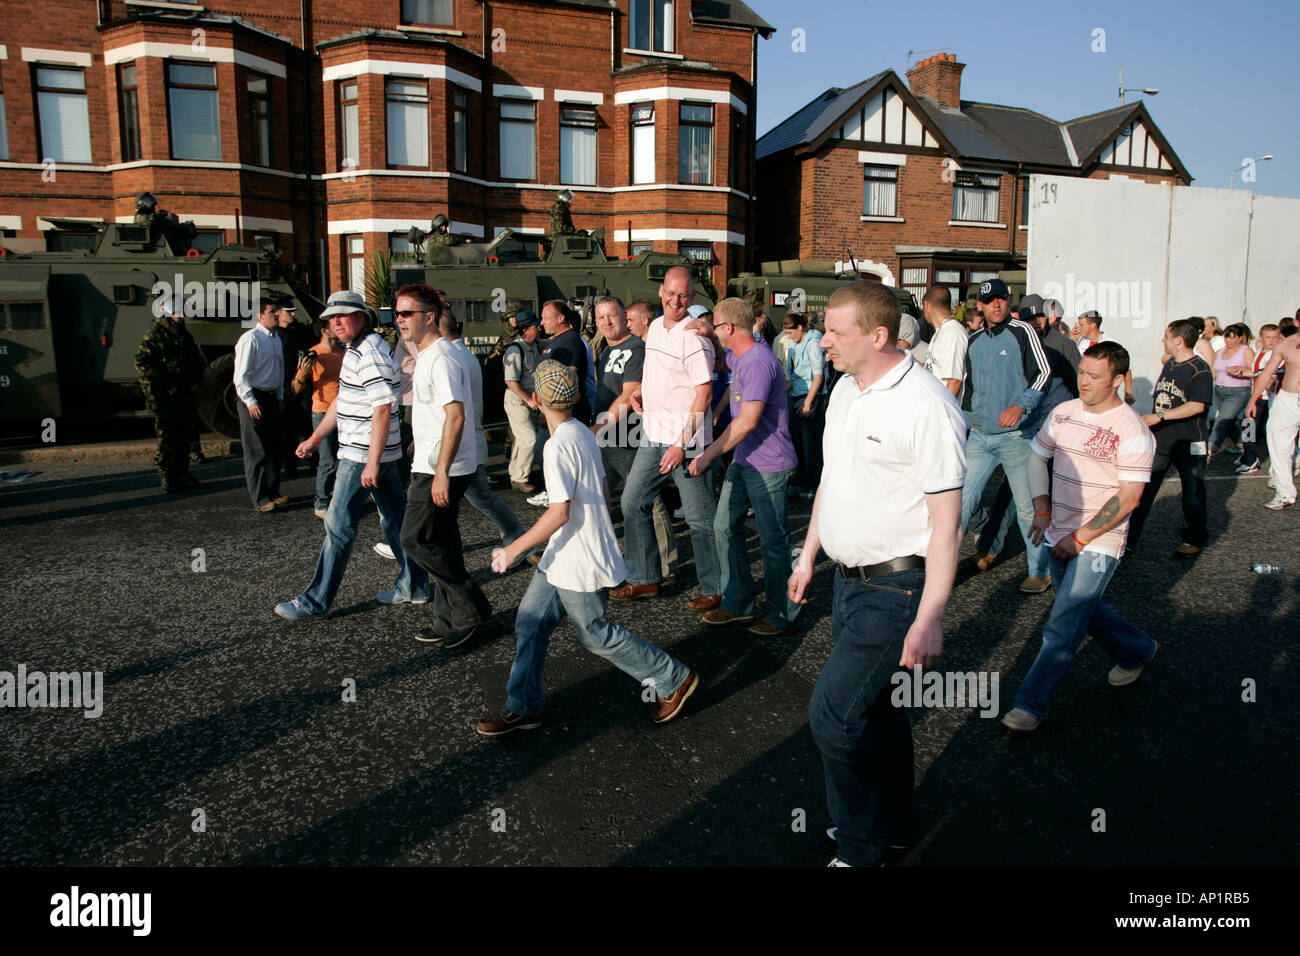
(916, 185)
(332, 128)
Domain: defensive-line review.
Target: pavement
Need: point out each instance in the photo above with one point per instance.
(230, 736)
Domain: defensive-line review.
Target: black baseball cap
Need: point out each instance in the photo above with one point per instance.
(994, 289)
(1031, 306)
(526, 317)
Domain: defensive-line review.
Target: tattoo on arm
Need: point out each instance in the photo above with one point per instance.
(1108, 513)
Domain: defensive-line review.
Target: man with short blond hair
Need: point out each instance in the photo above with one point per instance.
(894, 430)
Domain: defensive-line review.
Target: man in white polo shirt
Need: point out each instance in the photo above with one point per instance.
(365, 413)
(888, 512)
(445, 461)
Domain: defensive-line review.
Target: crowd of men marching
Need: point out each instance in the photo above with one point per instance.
(892, 433)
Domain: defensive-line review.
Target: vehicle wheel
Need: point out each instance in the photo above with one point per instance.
(218, 402)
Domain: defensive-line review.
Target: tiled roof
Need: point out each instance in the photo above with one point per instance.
(815, 118)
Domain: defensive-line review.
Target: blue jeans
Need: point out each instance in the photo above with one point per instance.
(984, 453)
(1079, 610)
(991, 525)
(481, 496)
(639, 492)
(327, 465)
(543, 607)
(341, 530)
(865, 741)
(1230, 402)
(765, 492)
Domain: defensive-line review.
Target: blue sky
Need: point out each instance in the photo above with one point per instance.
(1228, 72)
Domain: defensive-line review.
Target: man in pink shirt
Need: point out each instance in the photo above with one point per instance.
(674, 402)
(1101, 454)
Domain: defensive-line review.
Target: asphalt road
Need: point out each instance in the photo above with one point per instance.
(213, 704)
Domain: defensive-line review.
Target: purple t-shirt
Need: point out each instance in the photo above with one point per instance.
(757, 376)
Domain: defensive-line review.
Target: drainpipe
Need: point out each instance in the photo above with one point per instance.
(1013, 227)
(482, 123)
(303, 14)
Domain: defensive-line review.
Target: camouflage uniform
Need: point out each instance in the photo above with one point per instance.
(167, 358)
(440, 238)
(561, 221)
(508, 334)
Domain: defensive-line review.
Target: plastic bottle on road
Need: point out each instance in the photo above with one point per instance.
(1263, 568)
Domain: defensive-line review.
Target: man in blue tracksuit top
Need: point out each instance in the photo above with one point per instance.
(1007, 373)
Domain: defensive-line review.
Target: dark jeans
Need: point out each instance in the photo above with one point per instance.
(807, 436)
(261, 438)
(865, 741)
(328, 464)
(293, 428)
(1191, 470)
(431, 539)
(1257, 431)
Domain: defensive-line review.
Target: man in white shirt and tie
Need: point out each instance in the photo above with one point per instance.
(259, 383)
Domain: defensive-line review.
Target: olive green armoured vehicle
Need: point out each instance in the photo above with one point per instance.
(70, 322)
(802, 285)
(484, 280)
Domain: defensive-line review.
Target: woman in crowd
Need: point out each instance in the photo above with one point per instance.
(1232, 383)
(1212, 334)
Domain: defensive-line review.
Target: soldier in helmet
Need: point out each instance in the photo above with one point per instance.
(145, 203)
(171, 371)
(561, 221)
(440, 236)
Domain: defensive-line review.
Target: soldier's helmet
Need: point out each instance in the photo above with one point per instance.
(565, 195)
(439, 221)
(145, 202)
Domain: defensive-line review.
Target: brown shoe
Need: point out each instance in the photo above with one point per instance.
(266, 508)
(505, 722)
(984, 560)
(705, 602)
(766, 628)
(1035, 585)
(282, 501)
(718, 617)
(1186, 550)
(534, 559)
(670, 707)
(523, 486)
(630, 592)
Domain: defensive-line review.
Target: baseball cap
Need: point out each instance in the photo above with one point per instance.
(525, 318)
(556, 385)
(344, 303)
(696, 311)
(1031, 306)
(1053, 307)
(1091, 314)
(994, 289)
(287, 305)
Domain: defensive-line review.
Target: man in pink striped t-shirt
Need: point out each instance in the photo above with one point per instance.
(1101, 454)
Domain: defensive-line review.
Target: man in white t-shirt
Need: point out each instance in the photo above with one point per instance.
(580, 564)
(946, 358)
(444, 463)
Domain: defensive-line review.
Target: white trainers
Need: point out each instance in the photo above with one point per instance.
(1021, 720)
(540, 500)
(1278, 503)
(838, 862)
(384, 551)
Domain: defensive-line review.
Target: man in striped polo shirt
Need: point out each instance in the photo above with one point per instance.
(1102, 454)
(365, 413)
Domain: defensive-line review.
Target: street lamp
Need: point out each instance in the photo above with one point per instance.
(1232, 178)
(1150, 91)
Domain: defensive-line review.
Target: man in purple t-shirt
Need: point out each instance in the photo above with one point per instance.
(760, 470)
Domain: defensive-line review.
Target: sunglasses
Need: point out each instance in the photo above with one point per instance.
(407, 312)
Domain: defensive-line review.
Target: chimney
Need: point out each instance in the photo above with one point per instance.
(938, 77)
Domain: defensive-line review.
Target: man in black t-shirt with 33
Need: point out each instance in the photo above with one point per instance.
(1183, 395)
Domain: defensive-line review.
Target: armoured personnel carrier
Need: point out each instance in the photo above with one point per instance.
(70, 322)
(803, 285)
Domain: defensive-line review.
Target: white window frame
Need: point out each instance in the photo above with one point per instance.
(654, 22)
(684, 174)
(349, 123)
(981, 187)
(405, 99)
(643, 144)
(869, 206)
(179, 113)
(54, 106)
(578, 126)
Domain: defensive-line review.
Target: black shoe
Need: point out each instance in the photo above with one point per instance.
(191, 481)
(896, 845)
(458, 640)
(173, 487)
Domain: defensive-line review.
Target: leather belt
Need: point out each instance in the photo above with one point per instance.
(869, 571)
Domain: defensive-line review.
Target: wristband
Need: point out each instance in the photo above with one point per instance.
(1077, 540)
(314, 440)
(1042, 514)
